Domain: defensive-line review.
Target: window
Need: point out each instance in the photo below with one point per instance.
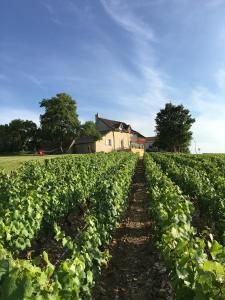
(122, 144)
(109, 142)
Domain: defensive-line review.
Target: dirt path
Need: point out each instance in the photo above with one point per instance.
(135, 270)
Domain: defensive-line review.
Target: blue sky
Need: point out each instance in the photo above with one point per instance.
(121, 58)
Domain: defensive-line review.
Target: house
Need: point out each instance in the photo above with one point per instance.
(149, 143)
(116, 135)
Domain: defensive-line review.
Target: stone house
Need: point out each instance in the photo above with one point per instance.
(116, 136)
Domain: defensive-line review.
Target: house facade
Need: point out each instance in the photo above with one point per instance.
(116, 136)
(149, 143)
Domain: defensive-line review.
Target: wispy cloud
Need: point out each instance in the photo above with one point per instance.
(125, 67)
(67, 8)
(153, 89)
(48, 7)
(124, 17)
(220, 78)
(209, 127)
(148, 90)
(52, 13)
(34, 79)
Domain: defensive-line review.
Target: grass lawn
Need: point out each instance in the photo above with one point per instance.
(11, 163)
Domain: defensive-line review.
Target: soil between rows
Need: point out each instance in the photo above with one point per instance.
(136, 270)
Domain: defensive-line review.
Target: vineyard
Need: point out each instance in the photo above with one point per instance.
(58, 220)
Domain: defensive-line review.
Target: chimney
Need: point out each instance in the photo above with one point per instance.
(96, 117)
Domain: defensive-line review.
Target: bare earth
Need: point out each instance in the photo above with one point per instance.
(135, 271)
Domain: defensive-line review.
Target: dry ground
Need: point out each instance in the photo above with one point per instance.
(136, 270)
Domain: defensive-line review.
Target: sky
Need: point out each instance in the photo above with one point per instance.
(121, 58)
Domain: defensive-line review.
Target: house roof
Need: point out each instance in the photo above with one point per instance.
(137, 133)
(115, 125)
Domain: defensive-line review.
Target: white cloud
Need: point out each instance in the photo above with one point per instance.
(152, 90)
(124, 17)
(52, 13)
(142, 122)
(220, 78)
(34, 79)
(209, 127)
(141, 96)
(48, 7)
(140, 93)
(208, 134)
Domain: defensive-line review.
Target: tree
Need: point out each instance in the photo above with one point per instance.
(173, 124)
(22, 135)
(4, 138)
(59, 123)
(18, 135)
(88, 129)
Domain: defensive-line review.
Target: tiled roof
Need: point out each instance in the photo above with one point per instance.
(137, 133)
(115, 125)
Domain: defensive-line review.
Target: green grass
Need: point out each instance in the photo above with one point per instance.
(11, 163)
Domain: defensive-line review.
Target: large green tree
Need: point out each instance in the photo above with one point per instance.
(173, 124)
(23, 134)
(59, 123)
(88, 129)
(18, 135)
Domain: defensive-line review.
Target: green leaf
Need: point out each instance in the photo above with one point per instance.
(89, 277)
(174, 232)
(216, 249)
(45, 257)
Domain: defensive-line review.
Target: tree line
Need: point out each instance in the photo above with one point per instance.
(59, 128)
